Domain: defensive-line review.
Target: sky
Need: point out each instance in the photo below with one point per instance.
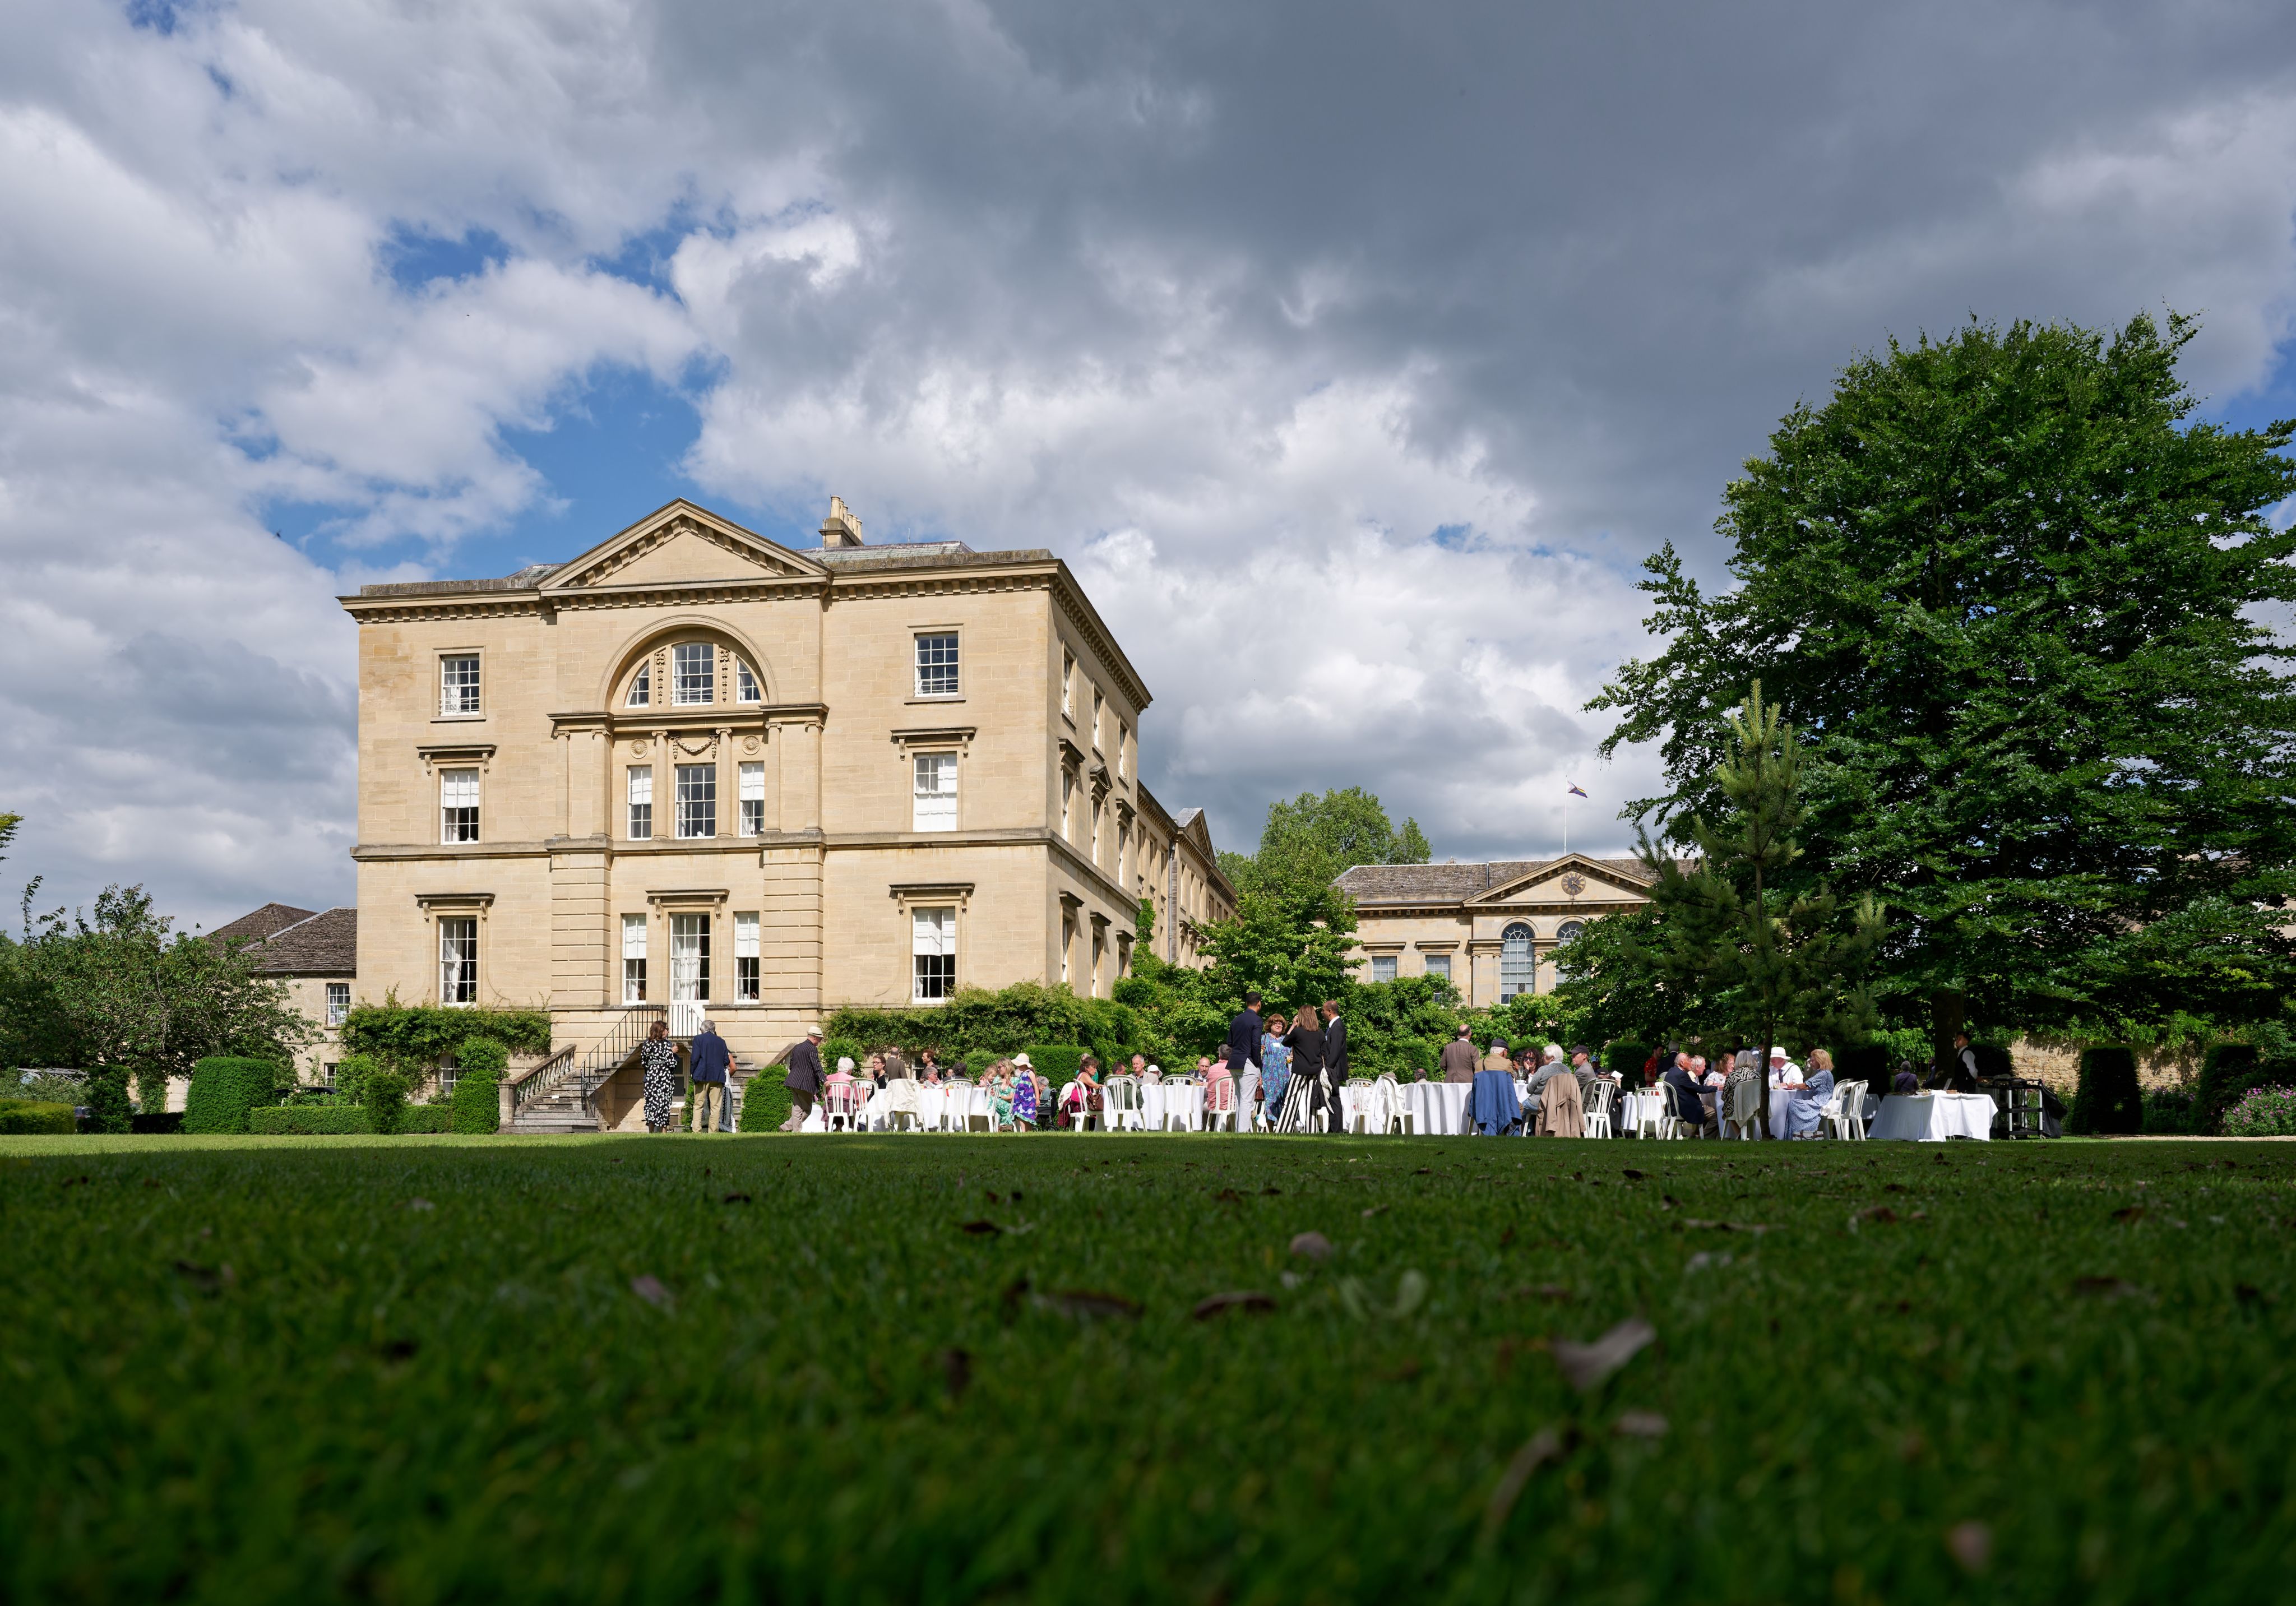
(1353, 357)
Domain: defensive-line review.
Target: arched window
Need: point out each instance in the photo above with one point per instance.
(1517, 973)
(1568, 932)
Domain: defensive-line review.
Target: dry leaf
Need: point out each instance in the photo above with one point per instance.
(1086, 1303)
(2128, 1213)
(1314, 1245)
(1585, 1365)
(2107, 1288)
(1641, 1424)
(650, 1289)
(980, 1229)
(1249, 1300)
(1537, 1450)
(737, 1199)
(956, 1372)
(1970, 1543)
(420, 1204)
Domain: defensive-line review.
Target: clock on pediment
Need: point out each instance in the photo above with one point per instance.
(1573, 884)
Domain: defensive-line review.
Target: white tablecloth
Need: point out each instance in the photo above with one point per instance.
(1439, 1109)
(1636, 1106)
(1164, 1103)
(1931, 1118)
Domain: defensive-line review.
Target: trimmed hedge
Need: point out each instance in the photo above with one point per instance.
(1057, 1062)
(411, 1036)
(2228, 1072)
(21, 1117)
(308, 1120)
(223, 1089)
(386, 1100)
(766, 1103)
(2108, 1102)
(160, 1121)
(1624, 1056)
(477, 1104)
(108, 1109)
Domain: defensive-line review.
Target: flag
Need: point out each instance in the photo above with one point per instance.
(1576, 792)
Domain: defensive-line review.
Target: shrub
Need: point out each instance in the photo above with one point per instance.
(477, 1107)
(2169, 1112)
(1625, 1055)
(1868, 1063)
(2228, 1072)
(766, 1103)
(223, 1089)
(2108, 1102)
(978, 1061)
(27, 1116)
(351, 1072)
(1057, 1062)
(152, 1087)
(160, 1121)
(107, 1099)
(1993, 1062)
(308, 1120)
(386, 1100)
(408, 1037)
(2263, 1112)
(833, 1049)
(426, 1118)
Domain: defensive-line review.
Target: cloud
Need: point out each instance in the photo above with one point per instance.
(1354, 357)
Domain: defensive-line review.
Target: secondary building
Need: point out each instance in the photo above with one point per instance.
(1491, 929)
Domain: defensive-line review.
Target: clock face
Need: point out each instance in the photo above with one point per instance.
(1574, 883)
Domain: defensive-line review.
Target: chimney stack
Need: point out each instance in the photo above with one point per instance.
(840, 529)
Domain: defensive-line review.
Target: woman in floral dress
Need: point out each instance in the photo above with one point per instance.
(657, 1059)
(1024, 1094)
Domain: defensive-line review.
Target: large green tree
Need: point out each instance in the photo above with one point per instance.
(2019, 599)
(1309, 841)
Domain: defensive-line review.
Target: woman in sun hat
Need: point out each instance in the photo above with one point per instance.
(1024, 1094)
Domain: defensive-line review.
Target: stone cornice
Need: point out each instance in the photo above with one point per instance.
(1087, 621)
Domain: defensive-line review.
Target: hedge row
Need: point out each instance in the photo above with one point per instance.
(225, 1090)
(30, 1117)
(418, 1035)
(322, 1121)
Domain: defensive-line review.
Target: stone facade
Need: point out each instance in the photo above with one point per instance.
(695, 765)
(315, 953)
(1494, 927)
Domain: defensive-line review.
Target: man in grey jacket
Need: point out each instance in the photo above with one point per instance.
(1457, 1059)
(804, 1078)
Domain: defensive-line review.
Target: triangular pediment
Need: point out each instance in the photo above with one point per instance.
(679, 544)
(1572, 878)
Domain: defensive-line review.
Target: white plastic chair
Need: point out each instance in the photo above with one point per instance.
(841, 1105)
(1845, 1117)
(900, 1106)
(1120, 1105)
(1222, 1110)
(1601, 1100)
(1674, 1123)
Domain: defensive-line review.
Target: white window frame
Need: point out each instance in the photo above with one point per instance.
(1068, 683)
(1068, 806)
(1123, 848)
(1518, 963)
(458, 960)
(689, 957)
(338, 1002)
(1383, 967)
(461, 697)
(634, 958)
(1439, 964)
(751, 785)
(933, 953)
(746, 978)
(1099, 702)
(691, 803)
(681, 679)
(642, 687)
(932, 791)
(747, 686)
(458, 806)
(641, 797)
(938, 677)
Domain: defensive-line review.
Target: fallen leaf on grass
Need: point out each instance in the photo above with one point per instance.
(206, 1279)
(2248, 1293)
(420, 1204)
(1970, 1543)
(1704, 1259)
(2107, 1288)
(1410, 1290)
(1228, 1196)
(1546, 1291)
(400, 1349)
(1410, 1368)
(1086, 1303)
(980, 1229)
(1633, 1176)
(1881, 1213)
(1641, 1424)
(1423, 1171)
(1584, 1366)
(1537, 1450)
(1247, 1300)
(1270, 1190)
(2127, 1213)
(1374, 1210)
(737, 1199)
(1691, 1222)
(650, 1289)
(150, 1182)
(956, 1370)
(1314, 1245)
(74, 1181)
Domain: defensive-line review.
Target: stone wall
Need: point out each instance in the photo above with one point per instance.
(2056, 1061)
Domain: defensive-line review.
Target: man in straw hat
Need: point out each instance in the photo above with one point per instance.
(804, 1078)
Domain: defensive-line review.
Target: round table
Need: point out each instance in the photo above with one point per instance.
(1931, 1118)
(1166, 1104)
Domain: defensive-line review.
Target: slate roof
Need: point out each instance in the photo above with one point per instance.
(325, 943)
(266, 922)
(1455, 883)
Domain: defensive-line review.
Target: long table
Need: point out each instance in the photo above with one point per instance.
(1931, 1118)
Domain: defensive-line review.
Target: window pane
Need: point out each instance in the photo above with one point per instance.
(1439, 964)
(458, 806)
(458, 685)
(934, 948)
(745, 980)
(745, 958)
(1517, 974)
(936, 666)
(338, 1002)
(936, 793)
(697, 799)
(689, 957)
(634, 958)
(753, 800)
(1382, 967)
(641, 801)
(693, 673)
(745, 685)
(1569, 931)
(642, 688)
(458, 959)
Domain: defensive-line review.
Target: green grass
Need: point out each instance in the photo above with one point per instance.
(253, 1370)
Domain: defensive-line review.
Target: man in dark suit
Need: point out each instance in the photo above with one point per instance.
(1335, 1063)
(804, 1078)
(708, 1063)
(1688, 1103)
(1244, 1040)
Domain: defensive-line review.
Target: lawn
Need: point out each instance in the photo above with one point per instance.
(941, 1369)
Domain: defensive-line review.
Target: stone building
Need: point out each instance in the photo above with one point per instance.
(1491, 929)
(315, 952)
(697, 768)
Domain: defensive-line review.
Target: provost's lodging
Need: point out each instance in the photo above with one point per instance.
(698, 769)
(1490, 930)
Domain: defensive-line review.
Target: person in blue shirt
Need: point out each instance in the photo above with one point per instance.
(707, 1062)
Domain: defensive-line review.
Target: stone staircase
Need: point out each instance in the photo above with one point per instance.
(563, 1108)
